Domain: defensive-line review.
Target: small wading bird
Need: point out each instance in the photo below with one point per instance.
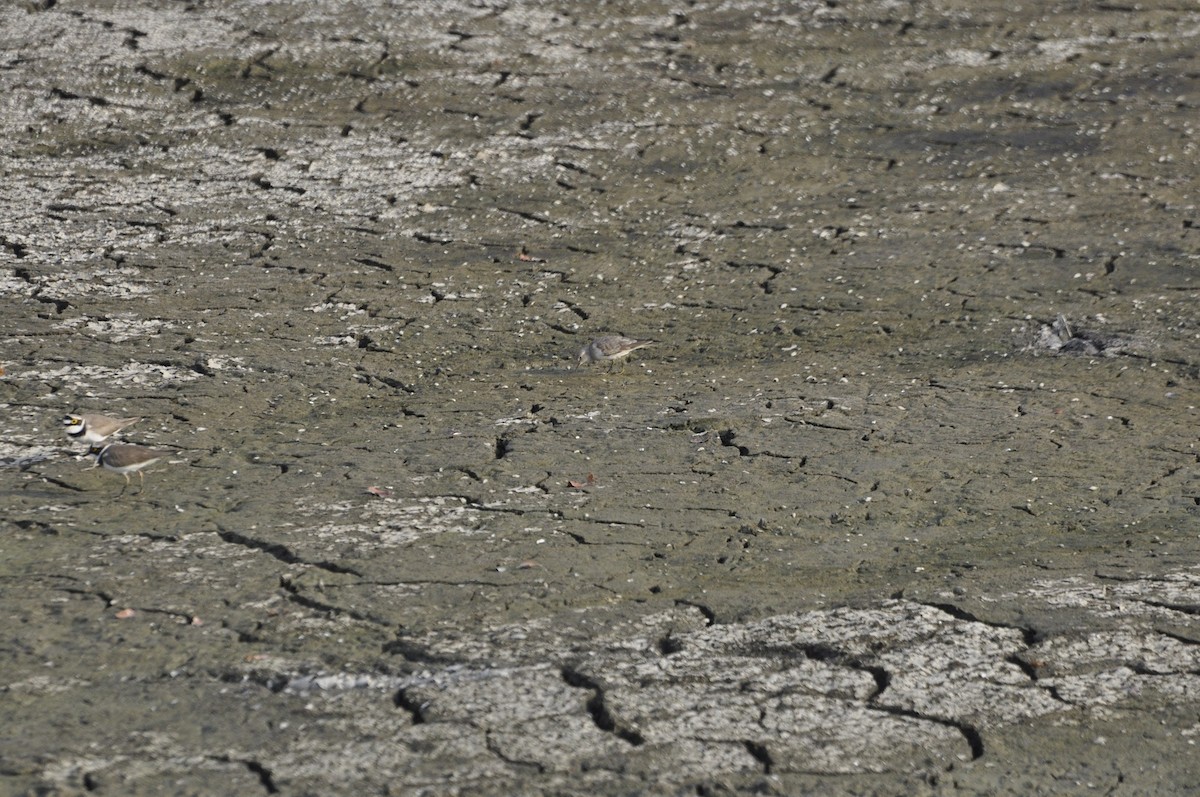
(610, 348)
(94, 428)
(125, 459)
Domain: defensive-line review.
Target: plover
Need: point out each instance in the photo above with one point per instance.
(125, 459)
(94, 428)
(610, 348)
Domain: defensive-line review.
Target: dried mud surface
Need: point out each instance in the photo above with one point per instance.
(903, 500)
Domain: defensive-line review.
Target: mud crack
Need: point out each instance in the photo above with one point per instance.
(597, 706)
(282, 552)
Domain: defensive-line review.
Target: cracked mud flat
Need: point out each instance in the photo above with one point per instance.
(903, 501)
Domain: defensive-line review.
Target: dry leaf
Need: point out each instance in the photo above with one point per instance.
(524, 256)
(579, 485)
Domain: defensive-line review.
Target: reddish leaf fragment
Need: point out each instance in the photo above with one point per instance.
(578, 485)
